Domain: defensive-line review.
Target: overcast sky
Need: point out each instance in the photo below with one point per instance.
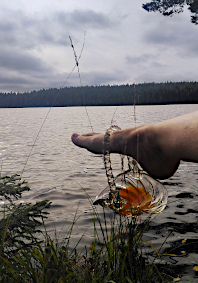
(123, 44)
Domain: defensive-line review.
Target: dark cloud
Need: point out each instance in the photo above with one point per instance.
(144, 60)
(21, 62)
(130, 59)
(21, 71)
(84, 19)
(20, 34)
(157, 36)
(16, 81)
(19, 29)
(20, 82)
(11, 81)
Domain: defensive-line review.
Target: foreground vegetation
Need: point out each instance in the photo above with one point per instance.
(27, 254)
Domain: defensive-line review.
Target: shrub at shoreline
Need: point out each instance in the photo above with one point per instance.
(29, 255)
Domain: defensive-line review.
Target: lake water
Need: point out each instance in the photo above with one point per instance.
(59, 171)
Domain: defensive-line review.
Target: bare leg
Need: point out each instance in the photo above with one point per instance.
(157, 147)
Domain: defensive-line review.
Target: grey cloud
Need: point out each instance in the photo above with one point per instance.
(159, 37)
(138, 59)
(10, 81)
(20, 30)
(13, 80)
(86, 18)
(6, 26)
(21, 33)
(20, 82)
(21, 62)
(149, 60)
(20, 71)
(175, 34)
(155, 64)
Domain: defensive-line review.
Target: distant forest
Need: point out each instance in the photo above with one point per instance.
(140, 94)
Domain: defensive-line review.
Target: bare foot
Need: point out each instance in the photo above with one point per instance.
(144, 143)
(91, 141)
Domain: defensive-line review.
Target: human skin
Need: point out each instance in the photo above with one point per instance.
(158, 148)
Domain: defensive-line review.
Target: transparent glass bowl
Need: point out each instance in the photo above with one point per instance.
(134, 194)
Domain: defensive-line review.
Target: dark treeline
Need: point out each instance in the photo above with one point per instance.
(147, 93)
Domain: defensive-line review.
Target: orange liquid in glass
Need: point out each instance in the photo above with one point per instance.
(137, 199)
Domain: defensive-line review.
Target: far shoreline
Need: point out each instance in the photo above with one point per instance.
(105, 95)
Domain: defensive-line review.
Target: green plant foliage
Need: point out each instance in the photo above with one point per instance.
(18, 222)
(12, 187)
(26, 255)
(171, 7)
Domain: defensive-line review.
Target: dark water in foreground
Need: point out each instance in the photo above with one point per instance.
(59, 171)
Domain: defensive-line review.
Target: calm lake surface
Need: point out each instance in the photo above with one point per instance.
(59, 171)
